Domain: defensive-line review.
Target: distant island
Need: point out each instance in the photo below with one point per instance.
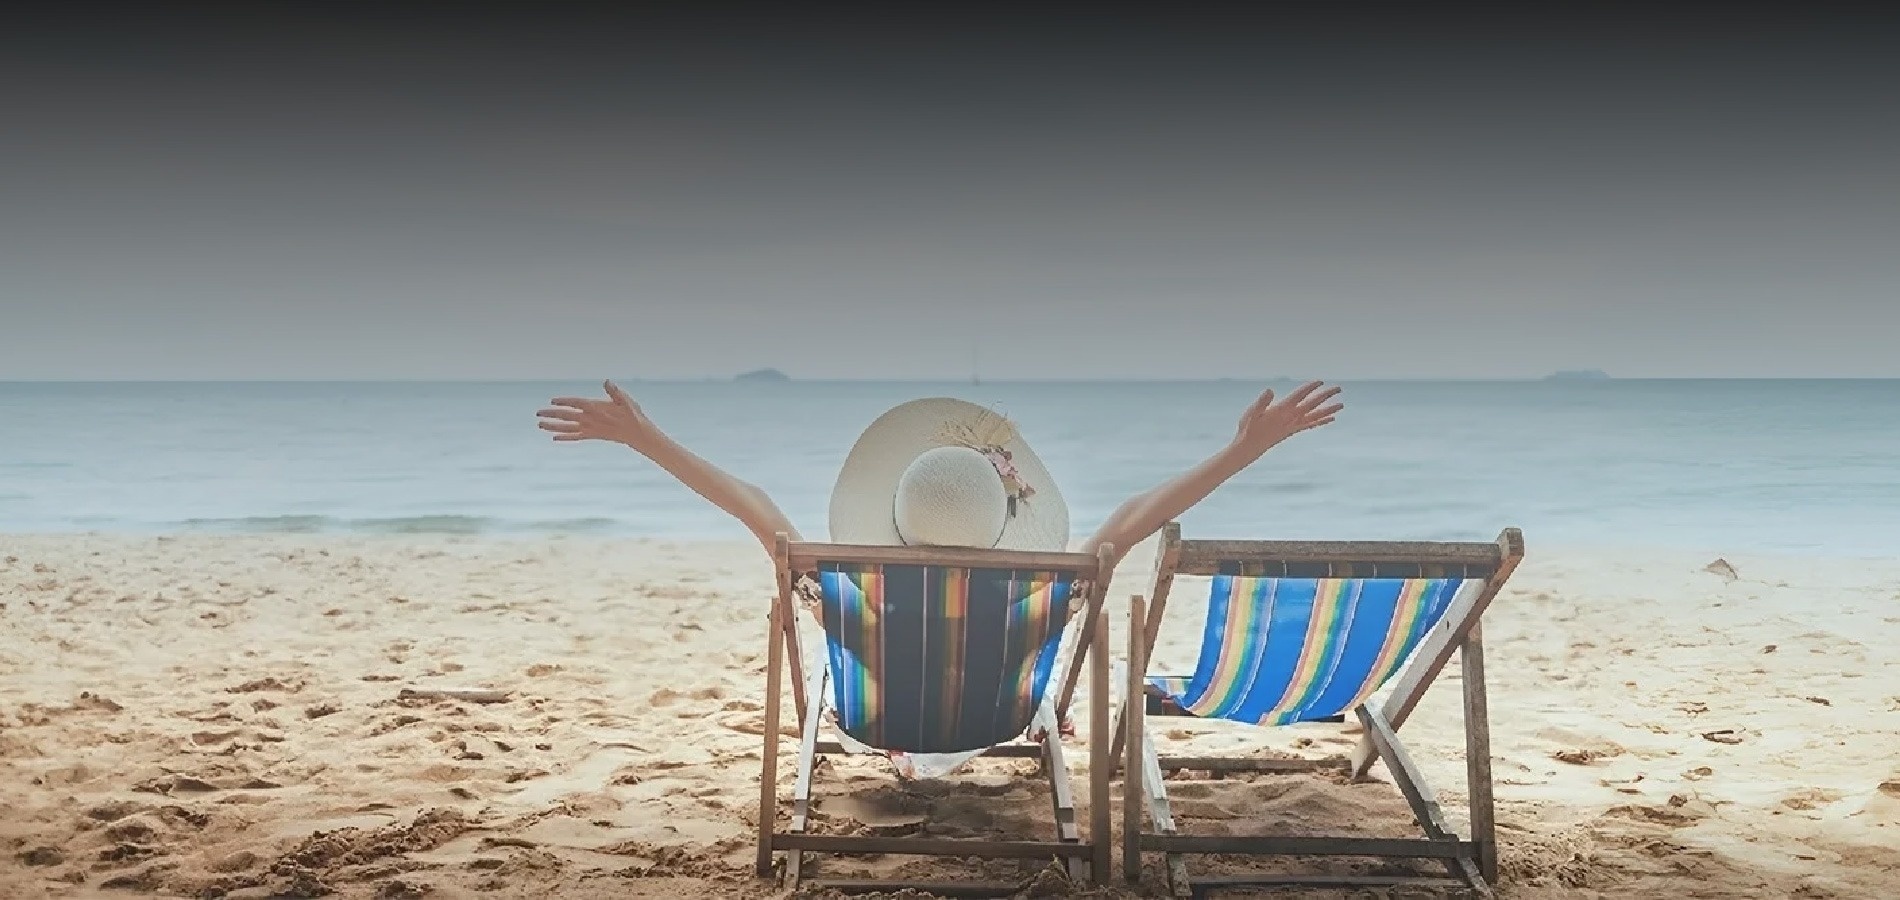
(1578, 375)
(763, 375)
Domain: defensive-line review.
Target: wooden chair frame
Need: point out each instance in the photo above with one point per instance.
(1470, 862)
(1085, 860)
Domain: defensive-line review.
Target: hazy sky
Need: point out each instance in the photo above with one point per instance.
(551, 197)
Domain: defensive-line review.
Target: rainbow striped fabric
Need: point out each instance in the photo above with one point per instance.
(929, 659)
(1278, 648)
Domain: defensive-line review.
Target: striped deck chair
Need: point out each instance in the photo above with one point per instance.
(938, 651)
(1307, 632)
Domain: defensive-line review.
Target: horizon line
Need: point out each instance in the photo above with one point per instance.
(731, 379)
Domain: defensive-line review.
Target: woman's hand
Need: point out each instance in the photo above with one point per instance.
(1267, 422)
(616, 419)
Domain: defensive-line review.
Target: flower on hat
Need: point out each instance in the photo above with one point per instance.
(987, 434)
(1005, 465)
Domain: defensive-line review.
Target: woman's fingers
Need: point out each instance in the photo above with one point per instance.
(1326, 412)
(1314, 401)
(619, 396)
(1295, 401)
(1299, 394)
(582, 418)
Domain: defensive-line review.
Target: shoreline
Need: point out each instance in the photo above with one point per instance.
(346, 537)
(180, 713)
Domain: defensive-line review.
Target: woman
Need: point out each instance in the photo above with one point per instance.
(944, 472)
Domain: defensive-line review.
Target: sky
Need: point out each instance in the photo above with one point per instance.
(275, 194)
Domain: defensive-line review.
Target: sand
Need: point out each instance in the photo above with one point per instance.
(225, 716)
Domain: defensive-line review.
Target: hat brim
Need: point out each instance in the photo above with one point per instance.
(862, 500)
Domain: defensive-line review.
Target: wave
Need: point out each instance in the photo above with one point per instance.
(432, 524)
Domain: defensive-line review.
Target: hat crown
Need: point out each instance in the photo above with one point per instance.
(940, 471)
(950, 497)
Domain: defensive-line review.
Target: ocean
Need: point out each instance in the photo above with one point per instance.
(1727, 466)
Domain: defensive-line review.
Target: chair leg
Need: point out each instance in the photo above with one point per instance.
(1055, 767)
(1099, 764)
(1163, 815)
(1419, 795)
(1143, 784)
(1132, 797)
(768, 753)
(1478, 755)
(1130, 725)
(807, 760)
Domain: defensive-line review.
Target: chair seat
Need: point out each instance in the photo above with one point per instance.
(1165, 693)
(939, 660)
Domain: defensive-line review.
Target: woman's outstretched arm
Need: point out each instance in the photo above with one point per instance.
(1265, 424)
(619, 419)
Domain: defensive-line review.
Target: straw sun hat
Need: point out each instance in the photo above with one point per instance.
(947, 473)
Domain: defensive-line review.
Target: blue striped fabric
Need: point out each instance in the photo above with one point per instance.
(932, 659)
(1279, 650)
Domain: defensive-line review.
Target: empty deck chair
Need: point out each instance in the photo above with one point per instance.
(1308, 632)
(946, 652)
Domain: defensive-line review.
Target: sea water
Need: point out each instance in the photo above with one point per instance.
(1775, 466)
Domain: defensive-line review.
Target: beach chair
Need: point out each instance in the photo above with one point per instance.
(1307, 632)
(938, 651)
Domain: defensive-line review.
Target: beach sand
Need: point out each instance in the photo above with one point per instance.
(222, 716)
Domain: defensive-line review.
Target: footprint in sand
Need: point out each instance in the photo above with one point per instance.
(1883, 803)
(1583, 757)
(1579, 749)
(267, 684)
(1679, 812)
(751, 723)
(879, 812)
(114, 810)
(670, 697)
(1192, 791)
(591, 773)
(1811, 798)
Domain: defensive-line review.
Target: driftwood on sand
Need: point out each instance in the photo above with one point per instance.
(468, 695)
